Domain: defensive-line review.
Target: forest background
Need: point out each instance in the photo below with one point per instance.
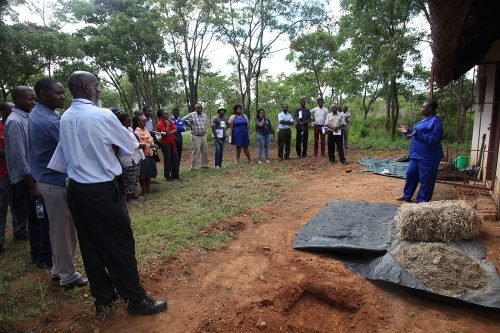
(366, 54)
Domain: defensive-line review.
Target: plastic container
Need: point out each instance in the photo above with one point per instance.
(462, 162)
(40, 212)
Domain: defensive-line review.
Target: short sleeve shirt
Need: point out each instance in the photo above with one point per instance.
(220, 125)
(265, 129)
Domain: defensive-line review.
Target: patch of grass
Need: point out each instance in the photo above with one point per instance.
(257, 218)
(167, 222)
(22, 291)
(171, 219)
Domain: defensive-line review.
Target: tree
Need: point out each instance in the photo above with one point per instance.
(381, 34)
(127, 45)
(286, 89)
(315, 53)
(27, 50)
(188, 29)
(252, 27)
(216, 90)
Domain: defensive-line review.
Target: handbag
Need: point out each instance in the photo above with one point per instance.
(156, 156)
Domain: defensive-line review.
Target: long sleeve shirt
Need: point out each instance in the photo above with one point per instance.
(426, 144)
(302, 115)
(16, 141)
(181, 127)
(319, 116)
(43, 137)
(149, 124)
(4, 173)
(89, 136)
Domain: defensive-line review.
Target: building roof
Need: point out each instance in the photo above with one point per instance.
(462, 32)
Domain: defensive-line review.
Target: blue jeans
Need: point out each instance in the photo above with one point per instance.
(219, 152)
(264, 142)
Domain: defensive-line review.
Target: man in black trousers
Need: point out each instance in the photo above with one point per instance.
(303, 117)
(91, 142)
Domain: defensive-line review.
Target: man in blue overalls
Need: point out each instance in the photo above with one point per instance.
(425, 154)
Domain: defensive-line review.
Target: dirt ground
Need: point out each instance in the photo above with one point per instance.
(259, 283)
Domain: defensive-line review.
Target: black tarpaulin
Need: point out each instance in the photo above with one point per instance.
(360, 235)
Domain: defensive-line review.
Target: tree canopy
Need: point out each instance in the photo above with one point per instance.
(158, 52)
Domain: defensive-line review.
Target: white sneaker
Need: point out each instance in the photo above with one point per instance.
(217, 167)
(260, 162)
(268, 161)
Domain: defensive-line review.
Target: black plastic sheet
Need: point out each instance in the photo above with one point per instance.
(360, 235)
(346, 226)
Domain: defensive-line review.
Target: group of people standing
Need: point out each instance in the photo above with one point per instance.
(60, 175)
(67, 178)
(332, 124)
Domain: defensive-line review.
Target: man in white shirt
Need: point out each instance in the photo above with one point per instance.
(334, 124)
(285, 120)
(148, 113)
(92, 140)
(319, 117)
(345, 130)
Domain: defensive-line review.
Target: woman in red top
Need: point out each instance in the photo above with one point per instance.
(168, 147)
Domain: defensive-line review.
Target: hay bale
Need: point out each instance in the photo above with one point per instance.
(441, 268)
(441, 221)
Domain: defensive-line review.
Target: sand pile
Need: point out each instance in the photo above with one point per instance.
(447, 221)
(441, 268)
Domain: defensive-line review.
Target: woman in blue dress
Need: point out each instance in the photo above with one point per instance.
(426, 153)
(240, 134)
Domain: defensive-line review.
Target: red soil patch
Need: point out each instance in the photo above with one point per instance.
(260, 284)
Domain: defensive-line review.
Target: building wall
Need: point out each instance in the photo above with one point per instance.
(484, 112)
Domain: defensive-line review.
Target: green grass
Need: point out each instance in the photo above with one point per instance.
(171, 219)
(174, 218)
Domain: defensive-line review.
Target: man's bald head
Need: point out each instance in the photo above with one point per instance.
(5, 110)
(24, 98)
(84, 85)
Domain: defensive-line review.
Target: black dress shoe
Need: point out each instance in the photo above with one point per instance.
(102, 309)
(81, 282)
(42, 264)
(55, 279)
(147, 306)
(21, 238)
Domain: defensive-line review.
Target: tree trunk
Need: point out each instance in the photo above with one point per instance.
(395, 111)
(388, 98)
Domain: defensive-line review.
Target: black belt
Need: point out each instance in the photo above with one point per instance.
(319, 125)
(199, 134)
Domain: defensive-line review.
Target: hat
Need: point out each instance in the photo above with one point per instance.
(221, 107)
(115, 110)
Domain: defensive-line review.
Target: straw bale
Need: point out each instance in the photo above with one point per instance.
(441, 268)
(437, 221)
